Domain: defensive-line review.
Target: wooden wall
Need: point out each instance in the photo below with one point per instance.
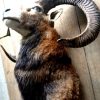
(86, 60)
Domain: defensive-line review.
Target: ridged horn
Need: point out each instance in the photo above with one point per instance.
(12, 58)
(8, 34)
(93, 20)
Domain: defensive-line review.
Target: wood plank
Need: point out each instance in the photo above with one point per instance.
(9, 71)
(67, 25)
(3, 85)
(8, 66)
(93, 59)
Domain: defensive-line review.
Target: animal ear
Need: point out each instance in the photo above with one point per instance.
(55, 14)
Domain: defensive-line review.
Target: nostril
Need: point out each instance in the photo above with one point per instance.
(28, 9)
(7, 10)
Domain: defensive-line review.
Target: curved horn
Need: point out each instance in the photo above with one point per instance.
(8, 34)
(12, 58)
(93, 20)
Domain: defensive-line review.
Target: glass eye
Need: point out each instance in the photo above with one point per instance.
(37, 8)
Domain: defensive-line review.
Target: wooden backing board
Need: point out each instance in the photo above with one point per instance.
(85, 60)
(77, 55)
(9, 71)
(92, 53)
(12, 92)
(3, 85)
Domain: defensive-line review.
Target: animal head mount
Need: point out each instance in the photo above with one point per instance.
(25, 20)
(43, 6)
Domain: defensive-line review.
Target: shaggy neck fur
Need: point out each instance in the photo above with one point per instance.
(26, 60)
(42, 65)
(38, 46)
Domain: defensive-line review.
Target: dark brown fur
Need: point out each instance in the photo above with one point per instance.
(44, 70)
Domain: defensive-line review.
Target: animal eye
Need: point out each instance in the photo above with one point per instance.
(37, 8)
